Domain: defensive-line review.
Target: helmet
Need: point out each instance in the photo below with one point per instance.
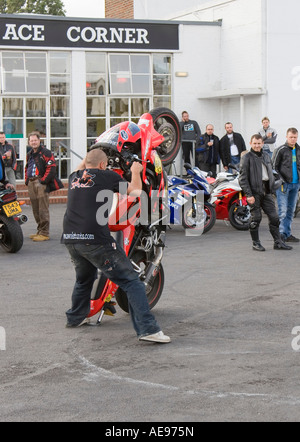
(115, 138)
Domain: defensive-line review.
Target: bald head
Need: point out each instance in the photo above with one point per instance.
(95, 159)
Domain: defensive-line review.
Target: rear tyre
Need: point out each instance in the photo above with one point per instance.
(167, 124)
(11, 235)
(153, 294)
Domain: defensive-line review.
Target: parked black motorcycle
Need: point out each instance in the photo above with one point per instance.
(11, 219)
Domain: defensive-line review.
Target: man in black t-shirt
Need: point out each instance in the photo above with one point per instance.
(87, 237)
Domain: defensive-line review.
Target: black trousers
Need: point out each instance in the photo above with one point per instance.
(266, 203)
(187, 151)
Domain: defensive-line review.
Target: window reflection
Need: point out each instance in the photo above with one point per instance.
(139, 106)
(95, 127)
(36, 83)
(12, 107)
(59, 85)
(95, 62)
(12, 126)
(96, 107)
(35, 62)
(60, 128)
(162, 85)
(162, 64)
(36, 125)
(119, 107)
(59, 107)
(36, 107)
(60, 62)
(95, 84)
(13, 61)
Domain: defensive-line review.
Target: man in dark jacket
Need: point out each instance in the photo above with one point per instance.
(207, 151)
(190, 133)
(8, 154)
(41, 179)
(286, 161)
(231, 147)
(258, 183)
(3, 179)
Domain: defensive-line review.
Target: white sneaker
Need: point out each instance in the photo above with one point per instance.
(159, 337)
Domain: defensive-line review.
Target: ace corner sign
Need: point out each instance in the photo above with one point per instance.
(80, 34)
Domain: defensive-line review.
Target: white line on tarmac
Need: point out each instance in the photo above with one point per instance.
(96, 372)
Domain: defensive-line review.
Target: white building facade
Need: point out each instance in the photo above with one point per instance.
(71, 79)
(252, 72)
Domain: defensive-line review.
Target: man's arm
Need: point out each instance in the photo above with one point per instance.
(244, 178)
(135, 186)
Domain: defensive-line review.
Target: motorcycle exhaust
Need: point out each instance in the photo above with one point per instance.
(22, 219)
(153, 267)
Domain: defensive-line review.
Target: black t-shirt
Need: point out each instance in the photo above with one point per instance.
(90, 199)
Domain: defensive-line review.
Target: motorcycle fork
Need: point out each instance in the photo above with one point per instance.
(194, 207)
(240, 198)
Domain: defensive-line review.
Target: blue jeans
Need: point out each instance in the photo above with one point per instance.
(287, 196)
(117, 268)
(234, 161)
(268, 152)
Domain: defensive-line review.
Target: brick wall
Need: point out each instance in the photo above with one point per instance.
(119, 9)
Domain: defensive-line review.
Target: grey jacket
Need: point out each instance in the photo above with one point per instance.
(270, 143)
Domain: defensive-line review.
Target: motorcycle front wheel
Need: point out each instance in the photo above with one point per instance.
(153, 294)
(201, 219)
(239, 216)
(11, 235)
(167, 124)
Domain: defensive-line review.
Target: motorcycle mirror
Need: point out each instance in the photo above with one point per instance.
(187, 166)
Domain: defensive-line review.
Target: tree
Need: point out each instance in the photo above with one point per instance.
(49, 7)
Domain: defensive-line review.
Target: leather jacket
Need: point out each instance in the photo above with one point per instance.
(251, 178)
(283, 162)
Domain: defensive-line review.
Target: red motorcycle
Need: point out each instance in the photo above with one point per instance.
(229, 200)
(155, 142)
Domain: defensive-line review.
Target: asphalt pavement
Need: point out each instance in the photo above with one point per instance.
(230, 312)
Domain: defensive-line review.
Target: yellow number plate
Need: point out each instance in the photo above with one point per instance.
(12, 209)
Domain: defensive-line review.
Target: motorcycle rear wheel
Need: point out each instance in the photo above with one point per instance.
(239, 217)
(153, 295)
(12, 235)
(167, 124)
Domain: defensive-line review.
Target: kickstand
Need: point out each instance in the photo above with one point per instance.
(100, 317)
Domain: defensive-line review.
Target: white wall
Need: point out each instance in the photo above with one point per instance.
(197, 43)
(229, 58)
(163, 9)
(283, 60)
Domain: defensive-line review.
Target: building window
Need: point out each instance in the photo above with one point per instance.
(162, 80)
(23, 72)
(121, 87)
(129, 74)
(96, 91)
(60, 83)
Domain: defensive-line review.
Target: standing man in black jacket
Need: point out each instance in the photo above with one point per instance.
(8, 154)
(190, 132)
(207, 151)
(231, 147)
(286, 161)
(3, 179)
(258, 183)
